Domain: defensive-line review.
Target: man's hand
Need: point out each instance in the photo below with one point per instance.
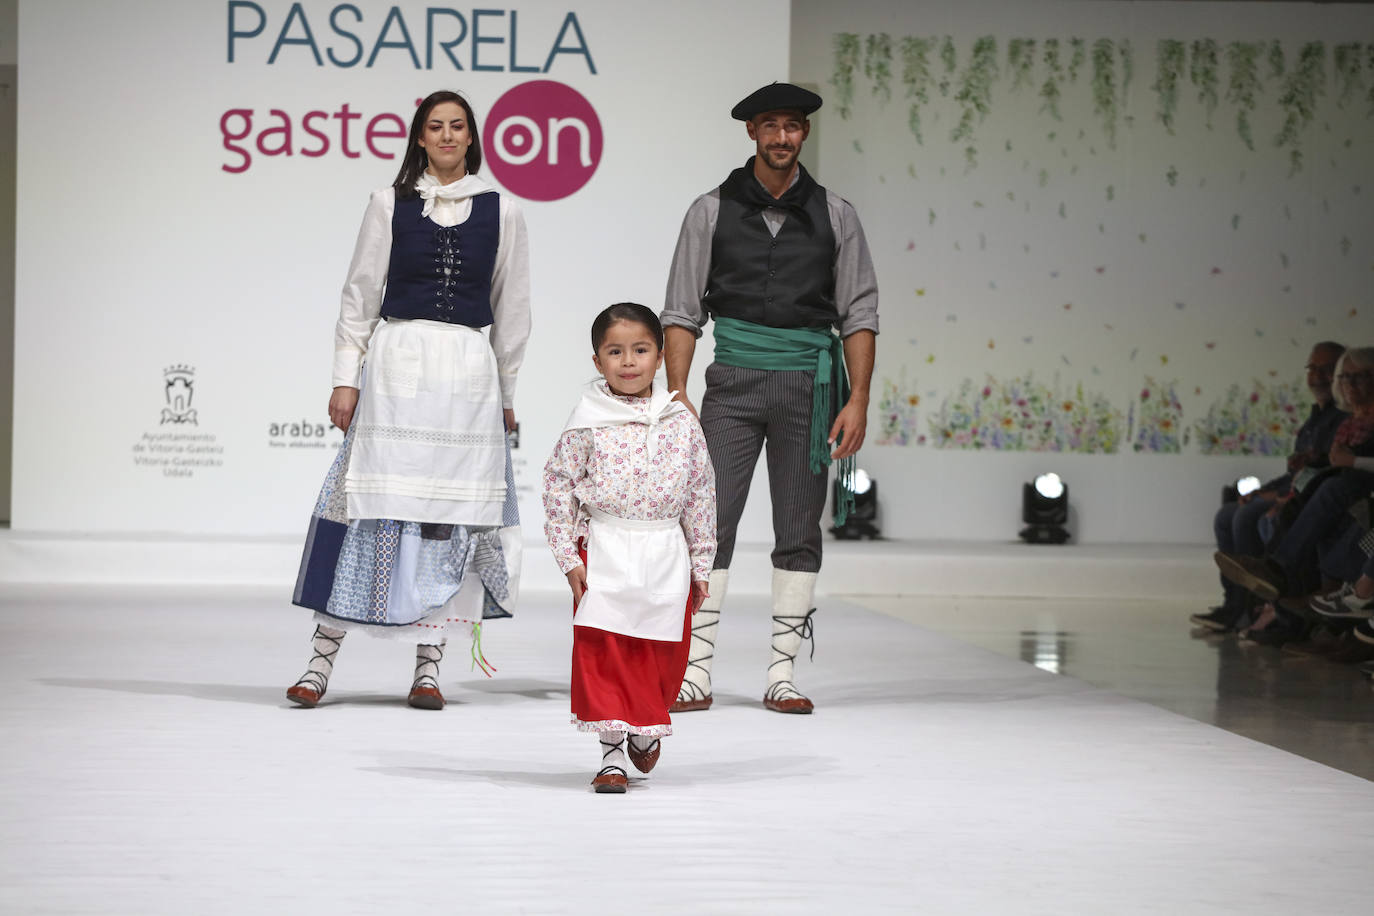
(701, 590)
(342, 403)
(852, 421)
(682, 396)
(577, 581)
(509, 416)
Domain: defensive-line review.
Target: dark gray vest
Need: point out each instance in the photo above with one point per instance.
(782, 282)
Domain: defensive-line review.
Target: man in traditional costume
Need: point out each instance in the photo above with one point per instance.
(780, 264)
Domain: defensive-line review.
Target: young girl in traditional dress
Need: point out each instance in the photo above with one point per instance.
(416, 528)
(630, 506)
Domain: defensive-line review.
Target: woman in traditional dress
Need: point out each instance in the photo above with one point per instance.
(416, 528)
(630, 508)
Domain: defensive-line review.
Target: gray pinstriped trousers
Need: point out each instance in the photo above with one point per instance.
(741, 411)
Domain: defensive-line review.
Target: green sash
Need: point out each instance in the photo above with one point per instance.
(755, 346)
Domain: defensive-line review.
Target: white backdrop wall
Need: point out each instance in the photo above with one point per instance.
(1116, 274)
(149, 249)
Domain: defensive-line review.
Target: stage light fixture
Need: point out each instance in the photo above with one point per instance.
(863, 518)
(1045, 510)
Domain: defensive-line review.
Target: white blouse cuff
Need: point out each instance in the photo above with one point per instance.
(507, 391)
(347, 368)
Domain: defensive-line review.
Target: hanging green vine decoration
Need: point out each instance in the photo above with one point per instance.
(846, 60)
(878, 65)
(1170, 55)
(916, 79)
(1349, 70)
(1277, 63)
(1127, 53)
(1104, 87)
(1203, 75)
(947, 58)
(1079, 53)
(1021, 61)
(1301, 87)
(1049, 91)
(975, 94)
(1244, 85)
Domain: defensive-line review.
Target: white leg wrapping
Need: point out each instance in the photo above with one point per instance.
(612, 753)
(696, 683)
(792, 594)
(427, 659)
(324, 646)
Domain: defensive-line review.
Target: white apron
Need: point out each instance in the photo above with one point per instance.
(429, 441)
(638, 577)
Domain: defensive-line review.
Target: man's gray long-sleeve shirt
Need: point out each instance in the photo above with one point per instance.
(856, 283)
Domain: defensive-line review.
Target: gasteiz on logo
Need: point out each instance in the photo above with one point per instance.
(542, 140)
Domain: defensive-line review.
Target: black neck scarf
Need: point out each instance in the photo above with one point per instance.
(745, 189)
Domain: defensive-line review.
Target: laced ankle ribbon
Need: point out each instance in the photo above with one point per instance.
(427, 679)
(318, 680)
(689, 690)
(783, 690)
(606, 751)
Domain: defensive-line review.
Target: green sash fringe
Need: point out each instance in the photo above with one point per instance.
(755, 346)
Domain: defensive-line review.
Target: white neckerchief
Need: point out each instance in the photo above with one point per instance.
(599, 408)
(447, 196)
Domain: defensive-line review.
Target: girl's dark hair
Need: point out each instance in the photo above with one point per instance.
(415, 161)
(632, 312)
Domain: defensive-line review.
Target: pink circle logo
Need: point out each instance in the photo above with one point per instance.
(542, 140)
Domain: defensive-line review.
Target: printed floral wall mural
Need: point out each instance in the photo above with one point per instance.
(1105, 243)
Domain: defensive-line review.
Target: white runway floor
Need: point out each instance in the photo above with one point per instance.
(152, 765)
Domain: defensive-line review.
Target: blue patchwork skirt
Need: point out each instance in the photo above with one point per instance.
(405, 579)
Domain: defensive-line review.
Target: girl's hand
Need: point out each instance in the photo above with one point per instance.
(342, 403)
(577, 581)
(701, 590)
(1342, 457)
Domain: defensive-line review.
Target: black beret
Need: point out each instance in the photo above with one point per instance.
(776, 97)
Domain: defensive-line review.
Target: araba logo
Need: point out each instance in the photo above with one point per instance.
(542, 140)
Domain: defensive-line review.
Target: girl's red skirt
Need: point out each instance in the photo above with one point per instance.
(625, 683)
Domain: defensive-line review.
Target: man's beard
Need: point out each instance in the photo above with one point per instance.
(785, 165)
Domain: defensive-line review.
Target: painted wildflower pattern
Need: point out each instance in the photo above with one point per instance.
(1158, 422)
(897, 408)
(1022, 414)
(1261, 421)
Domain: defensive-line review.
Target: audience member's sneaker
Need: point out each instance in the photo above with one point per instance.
(1343, 603)
(1364, 631)
(1219, 619)
(1254, 574)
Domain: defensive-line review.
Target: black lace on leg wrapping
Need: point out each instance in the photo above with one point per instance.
(424, 678)
(783, 690)
(690, 691)
(607, 749)
(318, 680)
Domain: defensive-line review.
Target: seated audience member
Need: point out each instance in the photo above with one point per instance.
(1237, 524)
(1291, 567)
